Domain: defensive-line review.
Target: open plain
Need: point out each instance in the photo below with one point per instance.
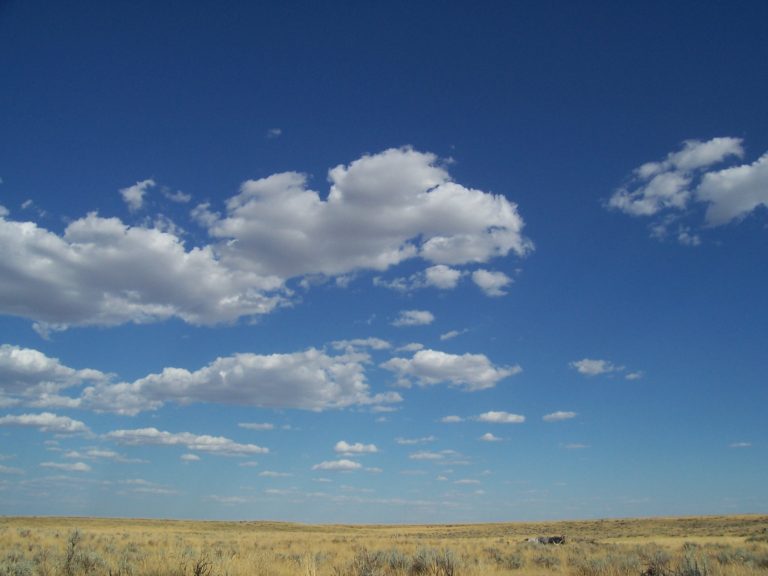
(692, 546)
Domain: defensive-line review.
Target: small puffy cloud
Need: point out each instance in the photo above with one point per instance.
(309, 380)
(133, 196)
(634, 375)
(488, 437)
(468, 371)
(46, 422)
(442, 277)
(342, 465)
(559, 416)
(495, 417)
(343, 447)
(10, 470)
(492, 283)
(256, 425)
(199, 443)
(592, 367)
(451, 419)
(69, 467)
(414, 318)
(467, 482)
(190, 457)
(413, 441)
(273, 474)
(274, 133)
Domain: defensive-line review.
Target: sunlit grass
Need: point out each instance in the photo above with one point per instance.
(710, 546)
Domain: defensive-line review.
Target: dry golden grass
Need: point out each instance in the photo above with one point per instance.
(702, 546)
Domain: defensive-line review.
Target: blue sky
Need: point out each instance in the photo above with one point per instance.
(383, 262)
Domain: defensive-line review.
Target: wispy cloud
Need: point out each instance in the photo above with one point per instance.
(593, 367)
(342, 465)
(740, 445)
(413, 441)
(198, 443)
(69, 467)
(559, 416)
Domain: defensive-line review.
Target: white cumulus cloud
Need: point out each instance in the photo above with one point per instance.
(414, 318)
(133, 196)
(343, 447)
(381, 210)
(309, 380)
(492, 283)
(453, 419)
(30, 377)
(689, 177)
(488, 437)
(468, 371)
(500, 417)
(733, 193)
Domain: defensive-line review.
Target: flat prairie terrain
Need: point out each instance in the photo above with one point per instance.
(694, 546)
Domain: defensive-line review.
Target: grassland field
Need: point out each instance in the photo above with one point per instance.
(692, 546)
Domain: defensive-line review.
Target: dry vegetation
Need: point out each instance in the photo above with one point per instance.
(707, 546)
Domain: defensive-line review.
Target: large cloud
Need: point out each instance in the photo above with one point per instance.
(309, 380)
(468, 371)
(380, 210)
